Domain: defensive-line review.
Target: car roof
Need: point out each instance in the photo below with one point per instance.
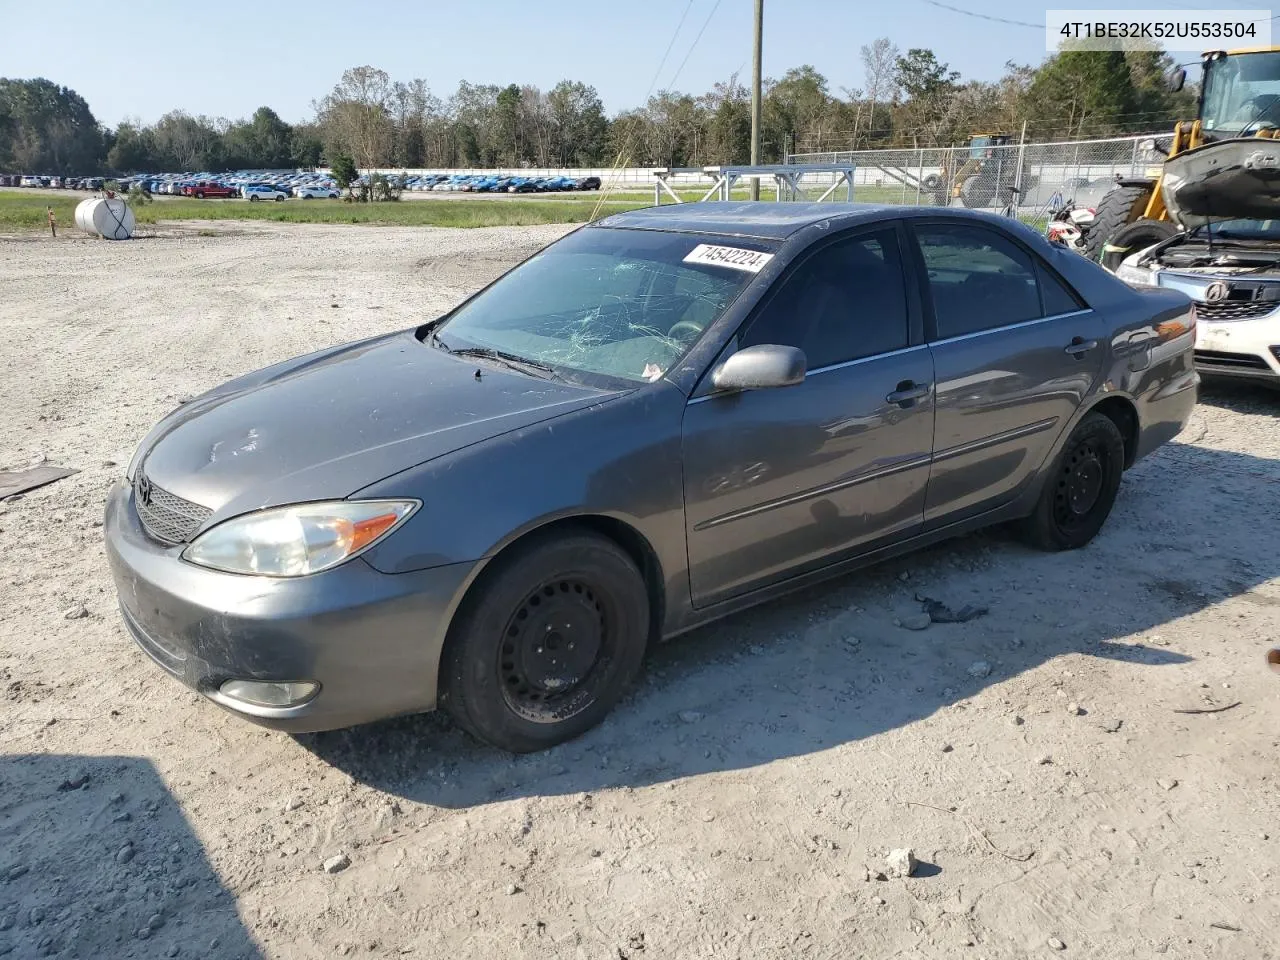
(744, 218)
(769, 221)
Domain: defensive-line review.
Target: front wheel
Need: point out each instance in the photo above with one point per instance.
(1081, 489)
(547, 642)
(279, 199)
(1119, 206)
(200, 195)
(1136, 236)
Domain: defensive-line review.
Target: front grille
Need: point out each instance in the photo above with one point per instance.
(1229, 361)
(1235, 309)
(169, 518)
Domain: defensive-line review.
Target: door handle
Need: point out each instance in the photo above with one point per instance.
(908, 392)
(1080, 346)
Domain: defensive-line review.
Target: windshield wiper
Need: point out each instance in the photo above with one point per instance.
(510, 360)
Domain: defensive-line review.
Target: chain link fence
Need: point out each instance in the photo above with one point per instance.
(1025, 180)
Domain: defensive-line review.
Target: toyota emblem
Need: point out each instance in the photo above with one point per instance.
(1216, 292)
(143, 490)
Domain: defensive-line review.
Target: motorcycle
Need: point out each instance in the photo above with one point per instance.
(1068, 224)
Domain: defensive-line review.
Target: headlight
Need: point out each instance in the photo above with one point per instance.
(1139, 276)
(297, 540)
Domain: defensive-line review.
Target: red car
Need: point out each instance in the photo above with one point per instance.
(206, 188)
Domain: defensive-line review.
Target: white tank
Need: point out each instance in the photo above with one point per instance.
(105, 218)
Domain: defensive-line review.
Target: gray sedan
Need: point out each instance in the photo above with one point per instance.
(664, 417)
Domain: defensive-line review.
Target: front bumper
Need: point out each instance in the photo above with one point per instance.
(1240, 350)
(371, 640)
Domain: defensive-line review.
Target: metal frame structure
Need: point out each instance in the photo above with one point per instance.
(786, 177)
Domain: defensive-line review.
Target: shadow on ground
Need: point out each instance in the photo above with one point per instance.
(828, 666)
(1240, 396)
(97, 861)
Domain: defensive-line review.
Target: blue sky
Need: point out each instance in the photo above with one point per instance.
(154, 56)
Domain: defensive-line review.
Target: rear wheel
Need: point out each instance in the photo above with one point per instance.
(1119, 206)
(978, 192)
(547, 642)
(1136, 236)
(253, 198)
(199, 194)
(1081, 489)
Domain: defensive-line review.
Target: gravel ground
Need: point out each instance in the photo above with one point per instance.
(743, 799)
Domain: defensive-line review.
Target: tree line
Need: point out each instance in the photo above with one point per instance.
(907, 99)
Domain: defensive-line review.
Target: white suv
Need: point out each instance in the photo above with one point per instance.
(261, 191)
(312, 191)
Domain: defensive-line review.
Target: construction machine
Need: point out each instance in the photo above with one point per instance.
(1219, 165)
(982, 179)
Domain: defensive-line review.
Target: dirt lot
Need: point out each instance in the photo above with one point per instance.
(1034, 758)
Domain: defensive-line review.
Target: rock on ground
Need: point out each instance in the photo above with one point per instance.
(900, 863)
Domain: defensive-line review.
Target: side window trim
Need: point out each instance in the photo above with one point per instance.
(1037, 264)
(1011, 326)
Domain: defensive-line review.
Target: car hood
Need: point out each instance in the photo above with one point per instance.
(325, 425)
(1237, 179)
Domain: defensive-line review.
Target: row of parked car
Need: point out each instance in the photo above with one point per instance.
(491, 183)
(57, 183)
(250, 184)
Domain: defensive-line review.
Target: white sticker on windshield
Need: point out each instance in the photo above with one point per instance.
(752, 261)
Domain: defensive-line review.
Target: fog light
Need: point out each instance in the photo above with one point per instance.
(263, 693)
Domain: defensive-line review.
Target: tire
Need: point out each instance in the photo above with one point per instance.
(279, 199)
(199, 194)
(932, 183)
(978, 192)
(307, 196)
(1136, 236)
(1119, 206)
(499, 679)
(1081, 489)
(253, 198)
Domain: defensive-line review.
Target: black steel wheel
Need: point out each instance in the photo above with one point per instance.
(550, 650)
(546, 642)
(1081, 487)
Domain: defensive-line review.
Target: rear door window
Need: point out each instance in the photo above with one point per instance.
(978, 279)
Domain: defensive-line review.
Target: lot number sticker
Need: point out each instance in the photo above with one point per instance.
(752, 261)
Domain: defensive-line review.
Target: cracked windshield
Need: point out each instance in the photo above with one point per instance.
(619, 303)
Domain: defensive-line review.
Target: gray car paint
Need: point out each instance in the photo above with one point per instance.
(497, 458)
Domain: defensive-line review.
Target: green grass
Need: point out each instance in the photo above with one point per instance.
(21, 212)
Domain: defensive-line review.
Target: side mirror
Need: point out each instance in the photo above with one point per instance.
(1176, 79)
(761, 367)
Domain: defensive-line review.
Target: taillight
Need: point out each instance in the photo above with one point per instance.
(1172, 329)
